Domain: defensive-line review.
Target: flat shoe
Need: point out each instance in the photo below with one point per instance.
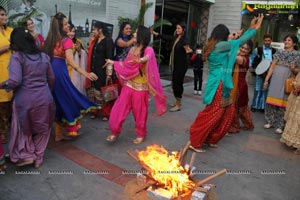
(138, 140)
(198, 150)
(93, 116)
(267, 126)
(297, 151)
(212, 145)
(21, 163)
(278, 131)
(112, 138)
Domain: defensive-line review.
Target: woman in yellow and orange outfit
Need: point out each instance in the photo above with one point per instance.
(5, 53)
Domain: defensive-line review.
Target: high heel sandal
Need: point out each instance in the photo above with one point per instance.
(112, 138)
(138, 140)
(3, 138)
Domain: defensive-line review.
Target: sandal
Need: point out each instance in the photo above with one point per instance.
(3, 167)
(104, 119)
(138, 140)
(61, 138)
(198, 150)
(72, 134)
(112, 138)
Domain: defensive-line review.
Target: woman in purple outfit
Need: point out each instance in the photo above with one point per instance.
(31, 78)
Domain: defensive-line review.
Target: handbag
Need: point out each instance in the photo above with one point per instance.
(288, 87)
(109, 92)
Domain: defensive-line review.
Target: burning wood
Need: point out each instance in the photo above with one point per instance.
(166, 172)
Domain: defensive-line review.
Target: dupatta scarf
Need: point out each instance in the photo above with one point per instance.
(129, 69)
(89, 61)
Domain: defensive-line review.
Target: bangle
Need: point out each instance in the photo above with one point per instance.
(109, 67)
(142, 60)
(76, 68)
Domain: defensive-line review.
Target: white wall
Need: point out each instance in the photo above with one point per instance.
(225, 12)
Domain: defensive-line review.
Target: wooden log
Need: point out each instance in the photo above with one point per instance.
(148, 184)
(191, 163)
(203, 181)
(140, 162)
(201, 189)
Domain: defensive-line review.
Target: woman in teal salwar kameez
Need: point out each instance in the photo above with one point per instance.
(213, 122)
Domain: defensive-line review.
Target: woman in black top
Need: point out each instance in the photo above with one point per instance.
(178, 61)
(101, 48)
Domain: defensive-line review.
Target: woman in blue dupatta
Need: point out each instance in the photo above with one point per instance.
(213, 122)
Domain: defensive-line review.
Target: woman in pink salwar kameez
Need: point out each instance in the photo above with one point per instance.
(139, 76)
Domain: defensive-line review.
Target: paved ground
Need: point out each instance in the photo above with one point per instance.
(261, 167)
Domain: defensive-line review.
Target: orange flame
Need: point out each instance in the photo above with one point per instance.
(166, 169)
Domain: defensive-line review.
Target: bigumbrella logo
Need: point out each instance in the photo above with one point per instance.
(246, 9)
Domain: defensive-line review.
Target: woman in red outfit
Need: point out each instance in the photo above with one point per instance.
(239, 93)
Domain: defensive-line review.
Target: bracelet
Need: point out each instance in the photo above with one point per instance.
(109, 70)
(142, 60)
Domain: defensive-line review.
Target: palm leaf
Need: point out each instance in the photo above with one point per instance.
(19, 18)
(142, 12)
(160, 22)
(6, 4)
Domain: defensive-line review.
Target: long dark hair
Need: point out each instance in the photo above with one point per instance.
(21, 40)
(250, 46)
(99, 25)
(3, 9)
(294, 38)
(219, 33)
(55, 34)
(71, 26)
(143, 37)
(183, 26)
(25, 22)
